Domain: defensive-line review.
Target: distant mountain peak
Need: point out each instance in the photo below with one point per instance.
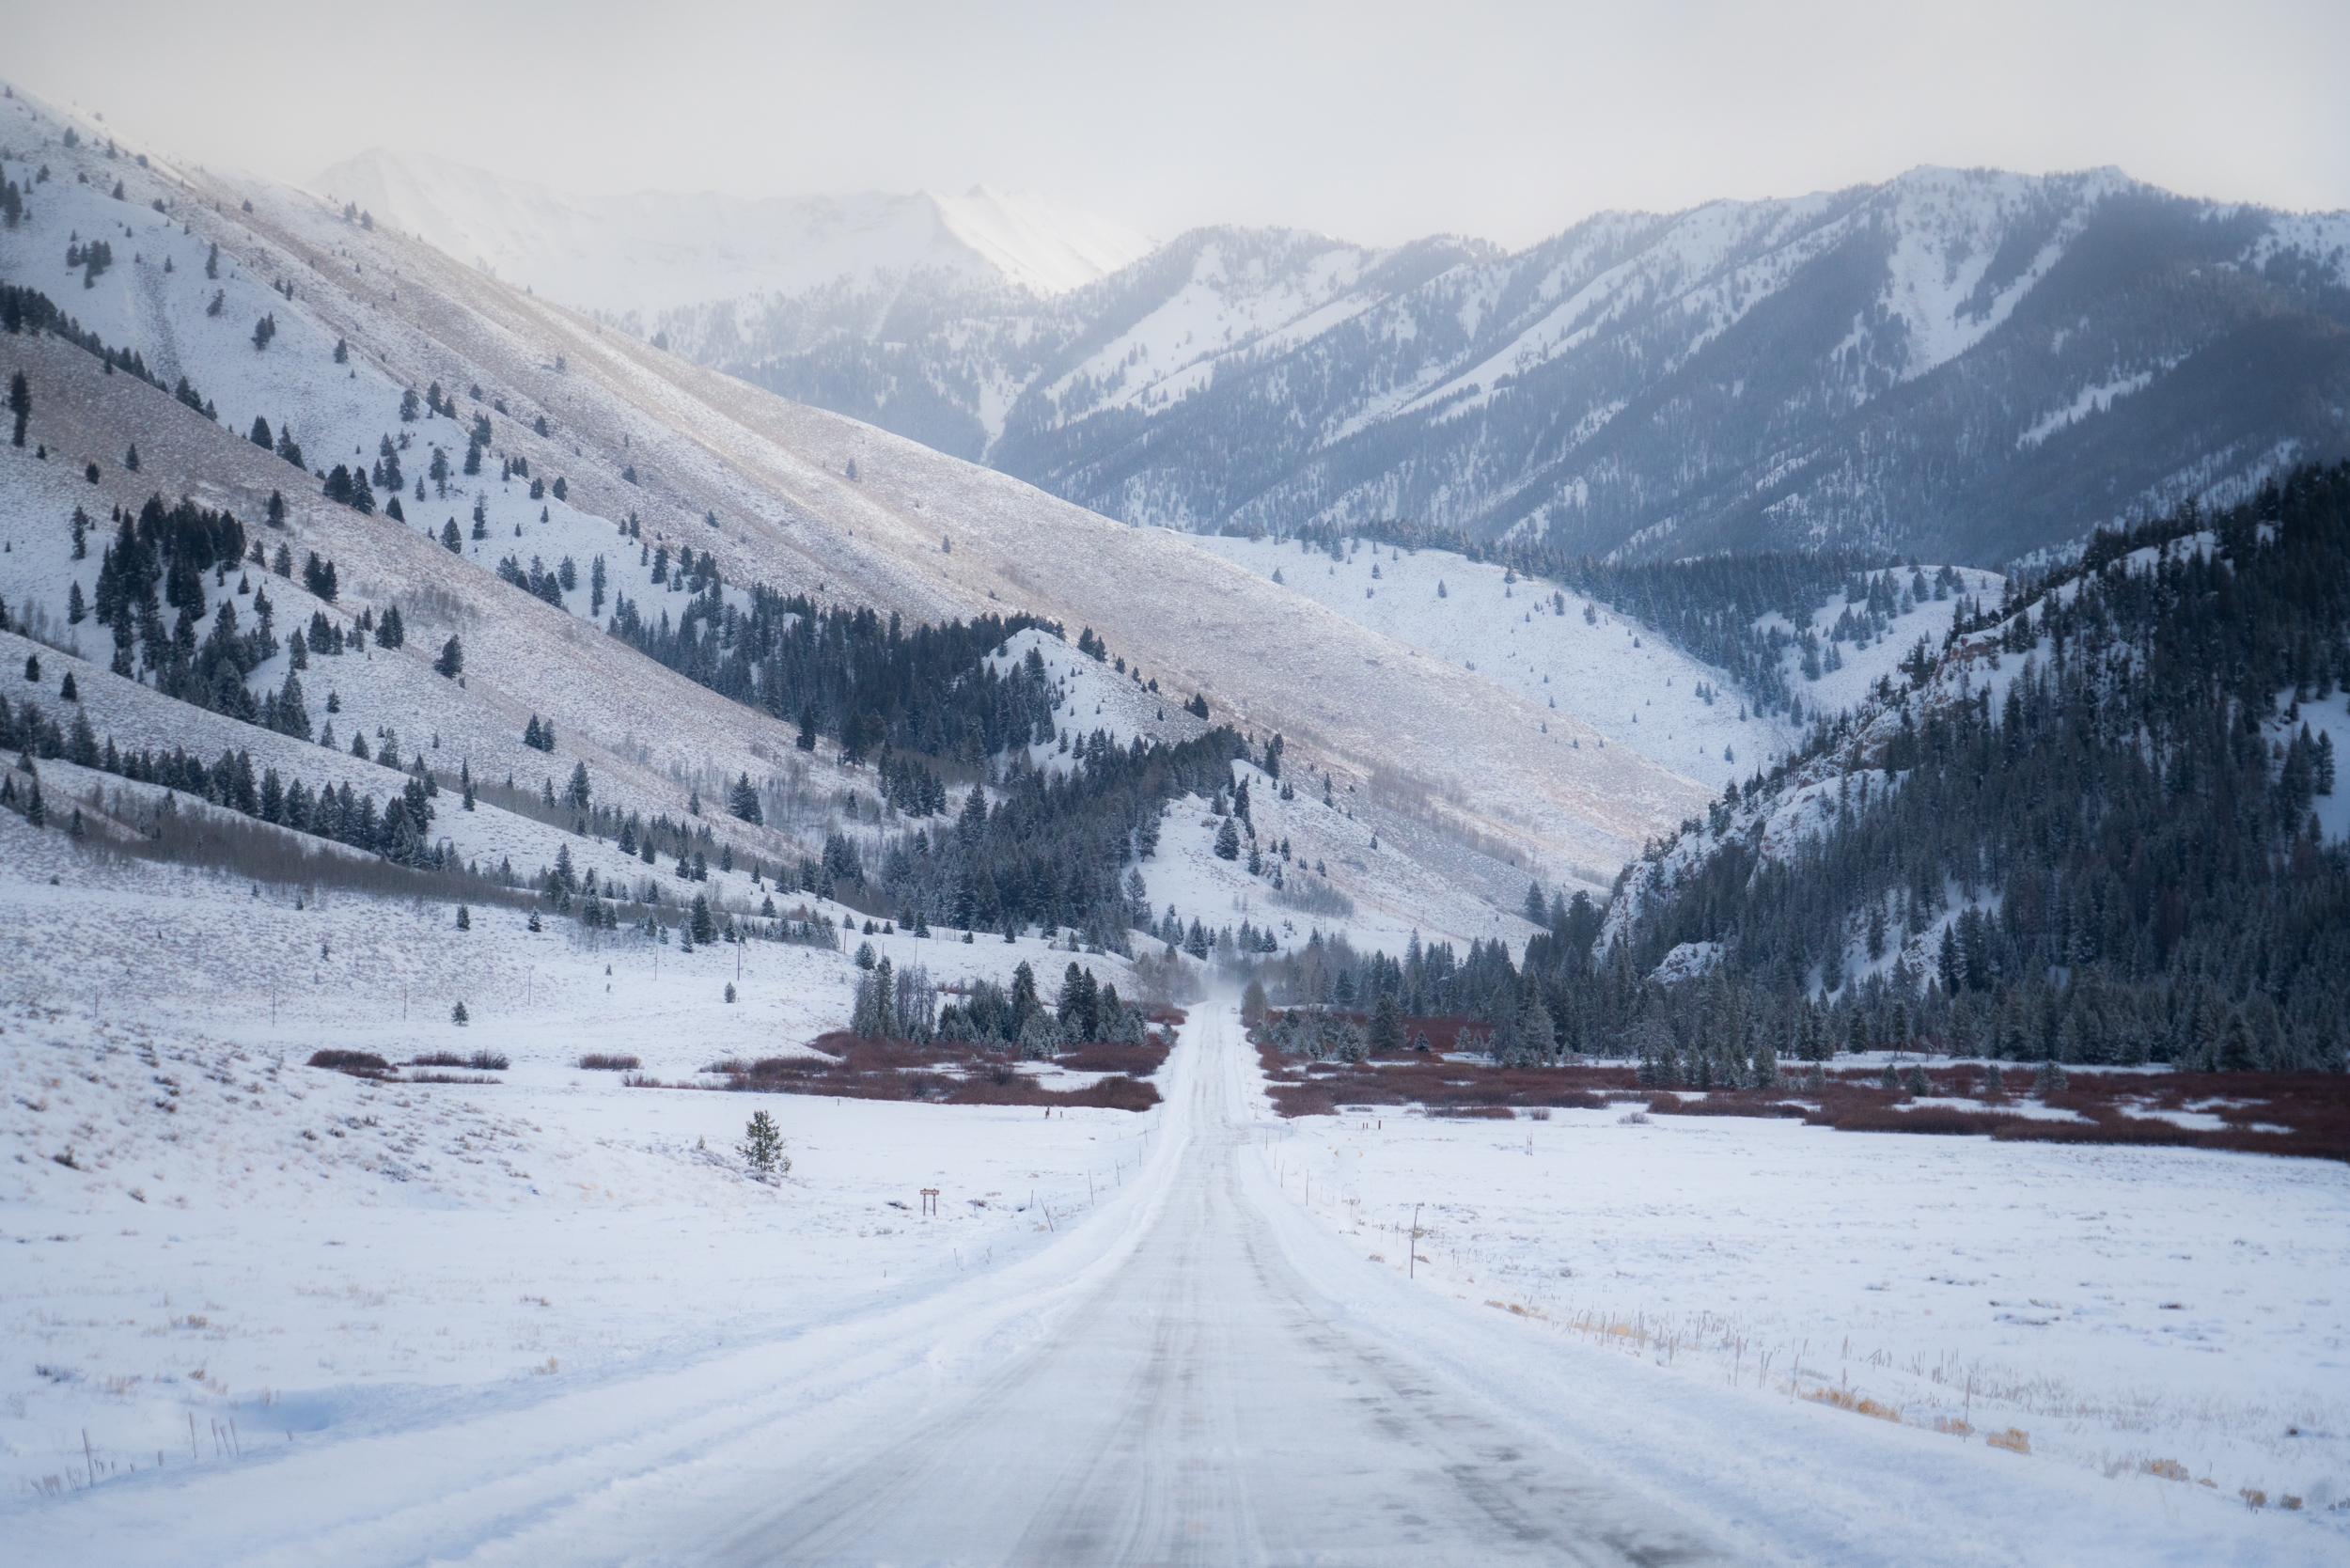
(1043, 245)
(646, 252)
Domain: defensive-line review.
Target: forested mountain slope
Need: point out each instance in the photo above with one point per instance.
(2104, 820)
(2100, 823)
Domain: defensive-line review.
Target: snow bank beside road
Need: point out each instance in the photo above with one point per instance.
(2125, 1307)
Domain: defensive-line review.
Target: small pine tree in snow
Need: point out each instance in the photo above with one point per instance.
(464, 918)
(762, 1146)
(457, 1014)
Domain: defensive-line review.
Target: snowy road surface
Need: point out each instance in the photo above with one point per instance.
(1205, 1403)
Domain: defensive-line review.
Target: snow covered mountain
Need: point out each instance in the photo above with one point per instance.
(593, 435)
(632, 258)
(1967, 365)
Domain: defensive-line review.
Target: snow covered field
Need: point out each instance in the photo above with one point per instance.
(238, 1229)
(2125, 1307)
(298, 1252)
(649, 1358)
(241, 1237)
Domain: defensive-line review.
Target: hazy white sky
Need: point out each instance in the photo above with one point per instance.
(1375, 121)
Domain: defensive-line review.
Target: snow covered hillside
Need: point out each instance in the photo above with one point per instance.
(604, 453)
(632, 258)
(1581, 658)
(1526, 637)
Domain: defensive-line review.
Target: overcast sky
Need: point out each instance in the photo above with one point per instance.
(1376, 121)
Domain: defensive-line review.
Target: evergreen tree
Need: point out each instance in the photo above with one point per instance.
(20, 403)
(1077, 1008)
(763, 1147)
(452, 660)
(743, 801)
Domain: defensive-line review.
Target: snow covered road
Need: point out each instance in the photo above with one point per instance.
(1203, 1402)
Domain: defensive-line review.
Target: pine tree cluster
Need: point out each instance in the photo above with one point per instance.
(848, 674)
(399, 829)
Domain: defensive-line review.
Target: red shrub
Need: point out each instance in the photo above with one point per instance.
(359, 1062)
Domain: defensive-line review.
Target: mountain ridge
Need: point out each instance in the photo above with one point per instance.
(1964, 364)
